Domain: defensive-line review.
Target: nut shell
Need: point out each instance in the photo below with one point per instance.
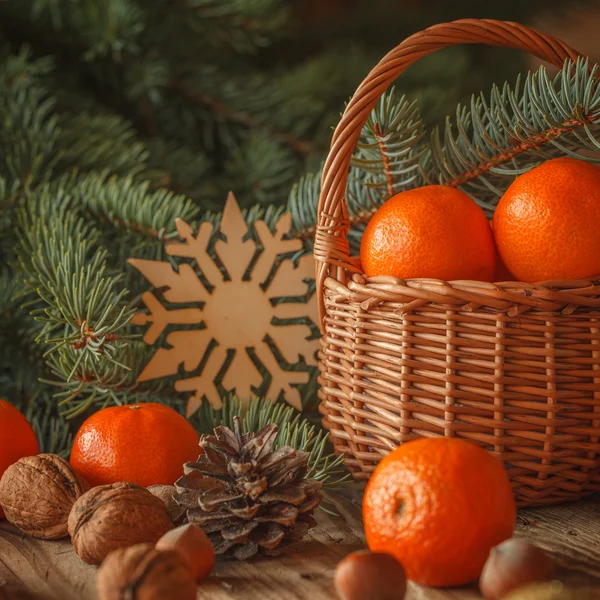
(166, 493)
(37, 494)
(194, 547)
(372, 575)
(553, 590)
(115, 516)
(143, 573)
(514, 564)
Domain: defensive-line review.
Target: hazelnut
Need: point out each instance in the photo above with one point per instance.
(551, 590)
(116, 516)
(144, 573)
(37, 494)
(372, 575)
(194, 546)
(514, 564)
(166, 493)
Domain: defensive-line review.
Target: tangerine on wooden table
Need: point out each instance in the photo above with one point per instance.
(145, 444)
(434, 231)
(546, 223)
(438, 506)
(17, 438)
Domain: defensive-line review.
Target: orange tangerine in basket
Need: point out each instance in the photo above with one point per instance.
(439, 506)
(435, 232)
(547, 222)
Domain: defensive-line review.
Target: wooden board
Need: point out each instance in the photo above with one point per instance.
(571, 532)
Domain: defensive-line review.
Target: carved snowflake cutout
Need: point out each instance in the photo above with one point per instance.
(247, 321)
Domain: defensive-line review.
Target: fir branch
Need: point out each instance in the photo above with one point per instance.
(300, 146)
(9, 288)
(9, 192)
(28, 131)
(127, 204)
(242, 25)
(93, 357)
(389, 150)
(100, 141)
(21, 68)
(294, 430)
(81, 298)
(52, 430)
(517, 128)
(383, 150)
(303, 202)
(492, 142)
(101, 380)
(263, 167)
(107, 27)
(184, 170)
(21, 362)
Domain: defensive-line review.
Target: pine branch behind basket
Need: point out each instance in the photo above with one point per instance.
(489, 142)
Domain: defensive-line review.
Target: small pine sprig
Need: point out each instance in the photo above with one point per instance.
(516, 128)
(294, 431)
(130, 205)
(389, 150)
(98, 141)
(53, 431)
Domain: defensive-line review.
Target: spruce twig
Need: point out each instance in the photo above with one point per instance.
(300, 146)
(494, 139)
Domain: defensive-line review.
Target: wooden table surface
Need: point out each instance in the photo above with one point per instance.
(571, 532)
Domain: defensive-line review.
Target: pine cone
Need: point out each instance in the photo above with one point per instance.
(245, 495)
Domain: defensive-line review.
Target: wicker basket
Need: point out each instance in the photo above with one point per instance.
(512, 367)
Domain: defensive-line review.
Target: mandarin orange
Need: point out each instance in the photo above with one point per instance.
(145, 444)
(546, 223)
(434, 231)
(501, 273)
(439, 506)
(17, 438)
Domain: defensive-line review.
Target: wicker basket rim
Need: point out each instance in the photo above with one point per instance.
(472, 295)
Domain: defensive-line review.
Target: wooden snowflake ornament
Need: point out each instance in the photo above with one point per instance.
(251, 322)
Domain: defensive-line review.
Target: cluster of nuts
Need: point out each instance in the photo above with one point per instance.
(124, 527)
(511, 569)
(167, 571)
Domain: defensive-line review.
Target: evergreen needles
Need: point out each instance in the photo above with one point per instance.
(122, 115)
(490, 141)
(516, 128)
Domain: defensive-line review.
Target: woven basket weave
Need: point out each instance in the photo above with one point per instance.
(512, 367)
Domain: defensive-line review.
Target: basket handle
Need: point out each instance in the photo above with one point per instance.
(331, 250)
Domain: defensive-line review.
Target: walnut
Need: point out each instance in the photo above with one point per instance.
(37, 494)
(166, 493)
(116, 516)
(143, 573)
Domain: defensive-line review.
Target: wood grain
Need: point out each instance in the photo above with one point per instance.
(571, 532)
